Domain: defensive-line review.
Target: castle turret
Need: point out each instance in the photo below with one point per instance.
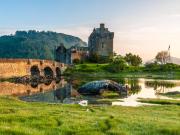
(101, 41)
(102, 26)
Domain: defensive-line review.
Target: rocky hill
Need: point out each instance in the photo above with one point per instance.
(35, 44)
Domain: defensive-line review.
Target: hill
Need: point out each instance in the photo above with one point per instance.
(173, 60)
(35, 44)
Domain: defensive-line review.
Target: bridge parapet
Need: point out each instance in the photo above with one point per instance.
(22, 67)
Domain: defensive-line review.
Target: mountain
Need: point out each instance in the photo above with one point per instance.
(173, 60)
(34, 44)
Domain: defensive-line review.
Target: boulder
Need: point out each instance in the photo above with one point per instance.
(97, 87)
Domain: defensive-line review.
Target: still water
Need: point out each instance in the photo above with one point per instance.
(65, 90)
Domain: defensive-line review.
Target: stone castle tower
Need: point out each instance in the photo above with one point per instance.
(101, 42)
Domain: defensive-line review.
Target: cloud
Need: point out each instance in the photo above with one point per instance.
(175, 15)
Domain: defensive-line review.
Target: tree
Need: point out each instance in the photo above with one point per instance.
(162, 57)
(76, 61)
(94, 58)
(117, 64)
(133, 60)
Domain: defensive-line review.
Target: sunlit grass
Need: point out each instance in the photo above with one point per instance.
(100, 70)
(160, 101)
(19, 118)
(174, 94)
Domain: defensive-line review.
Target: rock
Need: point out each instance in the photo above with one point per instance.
(97, 87)
(24, 79)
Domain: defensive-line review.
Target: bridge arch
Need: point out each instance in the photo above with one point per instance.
(35, 70)
(58, 72)
(48, 72)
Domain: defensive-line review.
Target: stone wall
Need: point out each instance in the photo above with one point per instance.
(21, 67)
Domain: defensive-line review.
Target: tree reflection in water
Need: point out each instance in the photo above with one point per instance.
(133, 84)
(160, 86)
(134, 87)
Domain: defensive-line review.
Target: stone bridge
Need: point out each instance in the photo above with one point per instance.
(22, 67)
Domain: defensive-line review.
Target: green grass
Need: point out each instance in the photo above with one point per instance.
(20, 118)
(160, 101)
(110, 94)
(174, 94)
(100, 70)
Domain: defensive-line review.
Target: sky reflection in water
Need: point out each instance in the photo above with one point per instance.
(65, 92)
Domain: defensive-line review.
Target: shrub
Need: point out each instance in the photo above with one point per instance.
(76, 61)
(118, 64)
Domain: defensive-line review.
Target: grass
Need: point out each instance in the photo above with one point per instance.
(21, 118)
(160, 101)
(99, 70)
(174, 94)
(110, 94)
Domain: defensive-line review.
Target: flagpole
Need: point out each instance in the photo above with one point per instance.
(169, 51)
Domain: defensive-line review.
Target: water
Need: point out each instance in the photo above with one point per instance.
(65, 91)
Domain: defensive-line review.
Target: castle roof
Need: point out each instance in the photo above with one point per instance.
(102, 31)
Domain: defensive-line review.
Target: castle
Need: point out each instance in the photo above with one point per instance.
(100, 43)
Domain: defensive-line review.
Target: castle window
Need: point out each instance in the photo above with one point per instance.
(102, 45)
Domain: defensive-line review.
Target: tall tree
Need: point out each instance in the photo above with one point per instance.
(162, 57)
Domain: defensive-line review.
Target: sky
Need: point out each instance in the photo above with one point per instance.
(142, 27)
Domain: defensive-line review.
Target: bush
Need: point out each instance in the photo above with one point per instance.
(162, 67)
(118, 64)
(94, 58)
(76, 61)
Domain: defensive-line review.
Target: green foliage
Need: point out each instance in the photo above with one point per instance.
(90, 67)
(94, 58)
(76, 61)
(118, 64)
(34, 44)
(133, 60)
(159, 67)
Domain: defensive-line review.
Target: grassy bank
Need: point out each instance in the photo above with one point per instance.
(19, 118)
(174, 94)
(160, 101)
(100, 70)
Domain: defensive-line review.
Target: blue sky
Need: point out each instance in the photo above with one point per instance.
(143, 27)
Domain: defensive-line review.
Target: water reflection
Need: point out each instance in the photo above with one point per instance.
(63, 91)
(63, 94)
(134, 87)
(9, 88)
(160, 86)
(148, 89)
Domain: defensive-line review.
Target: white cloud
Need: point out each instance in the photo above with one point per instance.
(175, 15)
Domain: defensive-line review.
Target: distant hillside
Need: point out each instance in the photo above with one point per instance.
(173, 60)
(34, 44)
